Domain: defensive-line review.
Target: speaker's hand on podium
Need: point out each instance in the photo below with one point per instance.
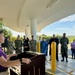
(26, 60)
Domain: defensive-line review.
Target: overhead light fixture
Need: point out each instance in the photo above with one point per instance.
(51, 3)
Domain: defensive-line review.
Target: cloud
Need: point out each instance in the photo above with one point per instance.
(69, 18)
(73, 27)
(66, 25)
(61, 28)
(68, 31)
(50, 33)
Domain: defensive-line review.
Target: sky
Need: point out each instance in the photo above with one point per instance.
(65, 25)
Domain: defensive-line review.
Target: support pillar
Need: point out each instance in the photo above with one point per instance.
(26, 35)
(34, 28)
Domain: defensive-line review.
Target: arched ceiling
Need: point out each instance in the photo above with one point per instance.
(17, 14)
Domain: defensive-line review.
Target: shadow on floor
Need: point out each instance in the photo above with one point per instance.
(47, 73)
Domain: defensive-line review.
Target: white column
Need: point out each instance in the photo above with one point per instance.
(26, 32)
(34, 28)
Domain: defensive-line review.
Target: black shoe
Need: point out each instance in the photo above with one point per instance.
(57, 60)
(62, 60)
(66, 60)
(50, 59)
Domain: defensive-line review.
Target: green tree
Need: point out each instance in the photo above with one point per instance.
(0, 26)
(1, 23)
(7, 32)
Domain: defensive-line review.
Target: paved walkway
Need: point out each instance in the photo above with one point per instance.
(63, 68)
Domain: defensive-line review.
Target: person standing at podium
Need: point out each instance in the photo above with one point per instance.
(4, 59)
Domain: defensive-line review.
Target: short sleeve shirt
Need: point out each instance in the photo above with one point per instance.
(4, 55)
(73, 45)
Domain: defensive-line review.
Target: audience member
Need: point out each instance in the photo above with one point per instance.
(64, 48)
(18, 45)
(73, 49)
(32, 44)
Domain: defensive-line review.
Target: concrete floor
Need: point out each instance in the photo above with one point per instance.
(63, 68)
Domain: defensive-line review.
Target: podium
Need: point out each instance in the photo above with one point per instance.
(36, 67)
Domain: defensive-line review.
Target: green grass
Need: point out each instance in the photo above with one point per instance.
(71, 38)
